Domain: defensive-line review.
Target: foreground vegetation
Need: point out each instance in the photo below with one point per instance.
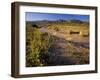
(37, 46)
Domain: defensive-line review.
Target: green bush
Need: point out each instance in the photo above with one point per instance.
(37, 45)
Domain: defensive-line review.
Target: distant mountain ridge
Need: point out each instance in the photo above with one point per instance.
(60, 20)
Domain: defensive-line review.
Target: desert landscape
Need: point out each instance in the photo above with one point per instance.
(55, 43)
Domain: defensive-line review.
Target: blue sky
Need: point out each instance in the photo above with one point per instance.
(31, 16)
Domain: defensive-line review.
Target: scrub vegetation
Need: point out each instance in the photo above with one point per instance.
(51, 43)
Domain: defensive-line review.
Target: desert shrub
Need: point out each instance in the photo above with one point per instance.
(35, 26)
(56, 28)
(37, 45)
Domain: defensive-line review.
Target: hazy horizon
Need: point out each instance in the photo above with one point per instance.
(33, 16)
